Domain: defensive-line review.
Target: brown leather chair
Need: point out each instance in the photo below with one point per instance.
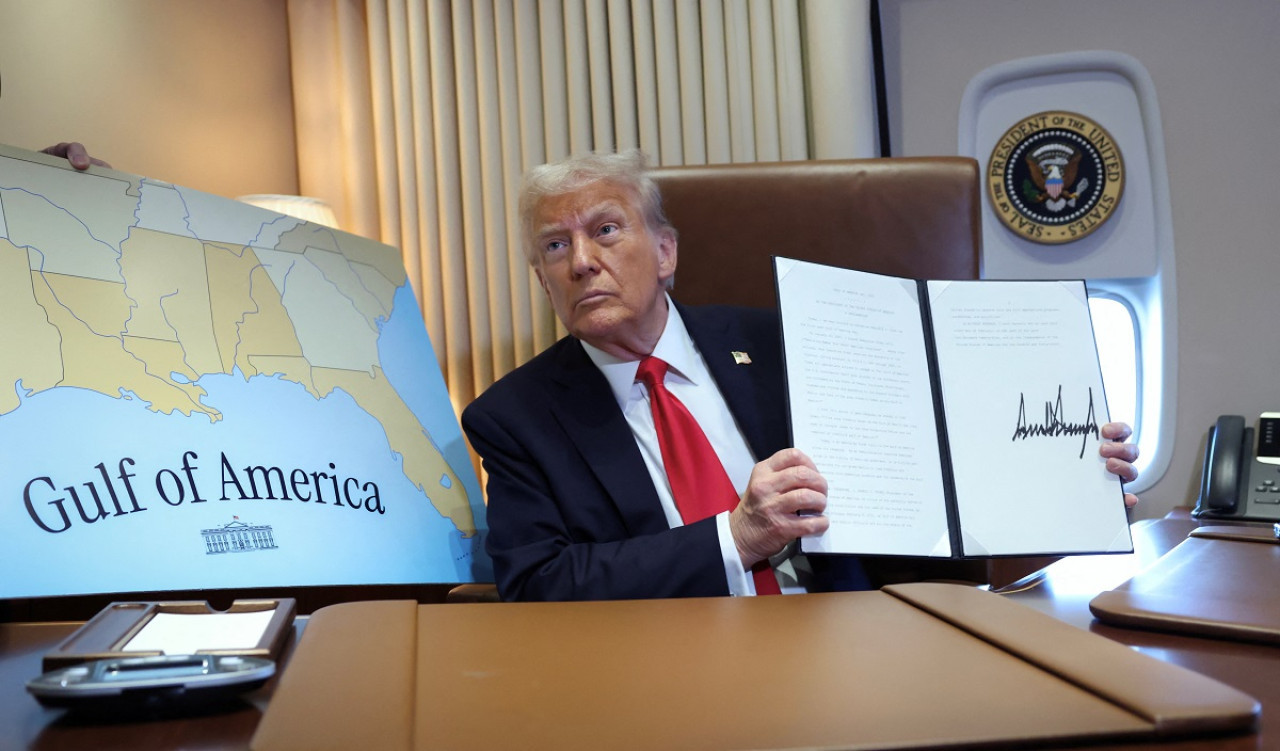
(912, 217)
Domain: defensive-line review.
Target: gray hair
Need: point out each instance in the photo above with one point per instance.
(629, 169)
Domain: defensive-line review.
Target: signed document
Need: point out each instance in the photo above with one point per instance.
(950, 419)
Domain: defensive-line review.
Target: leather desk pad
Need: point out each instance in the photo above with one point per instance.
(911, 666)
(1220, 582)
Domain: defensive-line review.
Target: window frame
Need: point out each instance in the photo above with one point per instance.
(1151, 307)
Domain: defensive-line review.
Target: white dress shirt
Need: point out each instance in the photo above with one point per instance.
(689, 381)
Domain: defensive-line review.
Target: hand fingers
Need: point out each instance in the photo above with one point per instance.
(1116, 431)
(763, 525)
(803, 526)
(1130, 500)
(791, 491)
(770, 478)
(1127, 452)
(795, 514)
(775, 503)
(1122, 469)
(801, 501)
(792, 457)
(76, 153)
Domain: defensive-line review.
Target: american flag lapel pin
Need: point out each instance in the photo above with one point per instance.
(741, 358)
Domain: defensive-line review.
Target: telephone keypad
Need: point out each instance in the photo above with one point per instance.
(1265, 488)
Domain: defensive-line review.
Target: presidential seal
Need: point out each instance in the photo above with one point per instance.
(1055, 177)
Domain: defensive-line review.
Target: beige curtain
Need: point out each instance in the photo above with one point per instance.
(416, 118)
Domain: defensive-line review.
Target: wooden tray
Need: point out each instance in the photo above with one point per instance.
(106, 634)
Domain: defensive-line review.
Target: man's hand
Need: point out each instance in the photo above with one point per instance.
(1120, 455)
(75, 153)
(785, 499)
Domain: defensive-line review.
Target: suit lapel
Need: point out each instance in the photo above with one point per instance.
(751, 391)
(583, 403)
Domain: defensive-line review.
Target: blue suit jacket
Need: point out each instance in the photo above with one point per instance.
(573, 513)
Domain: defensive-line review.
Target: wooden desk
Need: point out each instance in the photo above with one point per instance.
(1064, 593)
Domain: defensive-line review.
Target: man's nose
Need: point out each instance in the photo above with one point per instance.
(585, 257)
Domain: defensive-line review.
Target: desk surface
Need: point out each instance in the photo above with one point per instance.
(1071, 583)
(1064, 593)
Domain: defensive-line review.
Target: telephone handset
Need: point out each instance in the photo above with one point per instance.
(1237, 482)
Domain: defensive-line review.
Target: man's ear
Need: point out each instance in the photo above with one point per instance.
(667, 255)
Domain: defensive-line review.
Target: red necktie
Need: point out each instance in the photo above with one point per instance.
(699, 483)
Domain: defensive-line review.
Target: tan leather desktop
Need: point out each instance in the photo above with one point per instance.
(1222, 581)
(918, 666)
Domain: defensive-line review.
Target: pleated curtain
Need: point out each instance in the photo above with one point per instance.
(416, 118)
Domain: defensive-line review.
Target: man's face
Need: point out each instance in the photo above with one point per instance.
(602, 268)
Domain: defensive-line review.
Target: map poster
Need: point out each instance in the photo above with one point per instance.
(197, 393)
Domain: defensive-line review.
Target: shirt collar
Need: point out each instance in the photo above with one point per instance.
(674, 346)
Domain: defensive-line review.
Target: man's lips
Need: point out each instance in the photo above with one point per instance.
(593, 296)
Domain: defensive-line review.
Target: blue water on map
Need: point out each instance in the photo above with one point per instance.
(265, 421)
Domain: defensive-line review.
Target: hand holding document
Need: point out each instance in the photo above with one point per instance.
(915, 398)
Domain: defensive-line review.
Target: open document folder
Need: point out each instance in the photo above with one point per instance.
(950, 418)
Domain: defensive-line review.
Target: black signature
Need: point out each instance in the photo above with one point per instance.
(1053, 424)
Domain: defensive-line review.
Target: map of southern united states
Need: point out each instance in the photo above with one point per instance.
(90, 300)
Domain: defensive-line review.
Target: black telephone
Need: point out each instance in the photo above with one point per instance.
(1237, 483)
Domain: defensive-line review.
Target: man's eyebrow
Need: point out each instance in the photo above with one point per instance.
(590, 216)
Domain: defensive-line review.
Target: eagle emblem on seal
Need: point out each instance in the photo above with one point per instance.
(1052, 182)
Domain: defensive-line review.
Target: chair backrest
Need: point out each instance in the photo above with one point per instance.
(910, 216)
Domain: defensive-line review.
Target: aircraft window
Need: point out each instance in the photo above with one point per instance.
(1113, 330)
(1118, 331)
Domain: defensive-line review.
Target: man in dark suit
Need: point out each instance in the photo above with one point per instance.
(579, 502)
